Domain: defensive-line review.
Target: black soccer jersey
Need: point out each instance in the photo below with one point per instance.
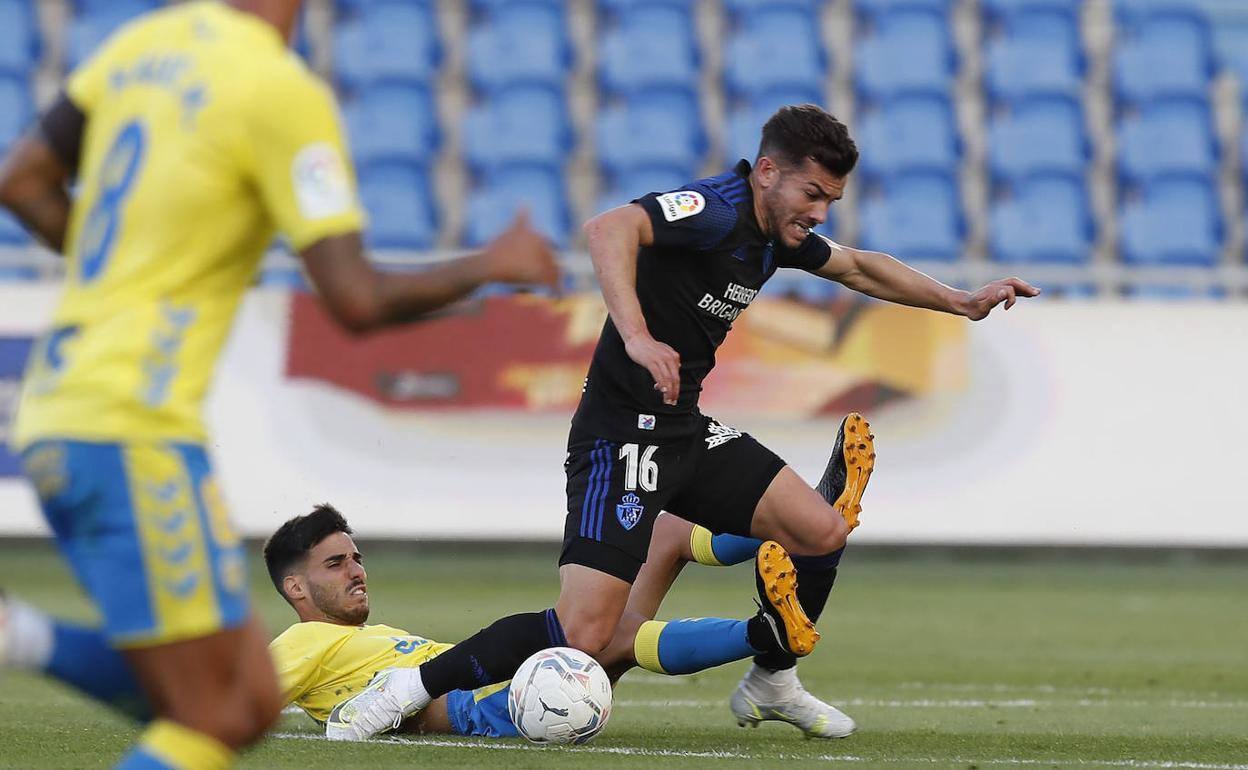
(708, 261)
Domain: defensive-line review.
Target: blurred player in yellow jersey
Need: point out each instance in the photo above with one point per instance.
(190, 140)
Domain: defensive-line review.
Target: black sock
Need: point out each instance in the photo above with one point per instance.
(492, 654)
(815, 576)
(758, 634)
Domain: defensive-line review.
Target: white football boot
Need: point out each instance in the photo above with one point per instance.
(778, 696)
(378, 708)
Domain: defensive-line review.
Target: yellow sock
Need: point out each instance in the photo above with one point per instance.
(646, 646)
(182, 748)
(700, 544)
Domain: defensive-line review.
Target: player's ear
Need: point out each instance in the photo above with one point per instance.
(766, 171)
(293, 587)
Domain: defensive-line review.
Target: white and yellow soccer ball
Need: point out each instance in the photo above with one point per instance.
(560, 695)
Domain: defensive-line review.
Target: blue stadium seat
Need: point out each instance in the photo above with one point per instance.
(870, 8)
(16, 108)
(400, 206)
(12, 233)
(739, 8)
(387, 39)
(493, 6)
(1038, 52)
(97, 7)
(1175, 221)
(652, 46)
(908, 133)
(1169, 54)
(519, 42)
(995, 9)
(914, 216)
(613, 10)
(522, 124)
(633, 183)
(19, 38)
(349, 7)
(392, 120)
(1046, 220)
(95, 21)
(745, 121)
(774, 48)
(653, 127)
(881, 70)
(502, 194)
(1166, 136)
(1045, 134)
(1173, 293)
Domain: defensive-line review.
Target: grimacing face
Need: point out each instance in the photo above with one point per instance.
(336, 581)
(795, 199)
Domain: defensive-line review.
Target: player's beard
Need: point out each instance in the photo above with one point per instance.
(780, 221)
(340, 606)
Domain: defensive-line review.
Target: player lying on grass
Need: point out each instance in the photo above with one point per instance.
(329, 656)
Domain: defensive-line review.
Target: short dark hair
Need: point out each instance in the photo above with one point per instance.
(293, 540)
(797, 132)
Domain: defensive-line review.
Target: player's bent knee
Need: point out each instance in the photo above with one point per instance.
(591, 637)
(827, 537)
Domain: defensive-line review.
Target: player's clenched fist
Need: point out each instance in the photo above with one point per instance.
(977, 305)
(522, 256)
(660, 360)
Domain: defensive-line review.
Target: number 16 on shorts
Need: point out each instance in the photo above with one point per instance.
(640, 469)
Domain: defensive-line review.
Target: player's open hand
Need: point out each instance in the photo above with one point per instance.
(977, 305)
(660, 360)
(522, 256)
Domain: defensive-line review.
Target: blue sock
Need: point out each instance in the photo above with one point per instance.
(686, 646)
(720, 550)
(734, 549)
(139, 758)
(83, 659)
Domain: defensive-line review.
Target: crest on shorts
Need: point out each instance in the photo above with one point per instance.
(717, 435)
(629, 511)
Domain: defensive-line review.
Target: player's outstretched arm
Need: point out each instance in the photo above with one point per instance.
(362, 298)
(614, 237)
(883, 277)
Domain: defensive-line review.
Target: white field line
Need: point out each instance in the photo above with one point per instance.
(930, 703)
(968, 703)
(1047, 689)
(644, 752)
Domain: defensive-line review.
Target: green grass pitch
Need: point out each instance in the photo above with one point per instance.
(1079, 662)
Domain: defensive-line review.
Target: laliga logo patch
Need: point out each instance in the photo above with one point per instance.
(678, 205)
(645, 422)
(629, 510)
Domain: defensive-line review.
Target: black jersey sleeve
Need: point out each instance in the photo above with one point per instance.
(695, 217)
(813, 254)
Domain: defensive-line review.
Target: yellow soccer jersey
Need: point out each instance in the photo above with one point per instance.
(319, 665)
(204, 137)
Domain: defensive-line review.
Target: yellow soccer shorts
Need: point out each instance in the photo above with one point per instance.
(144, 530)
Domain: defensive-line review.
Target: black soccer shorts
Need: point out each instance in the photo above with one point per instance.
(615, 490)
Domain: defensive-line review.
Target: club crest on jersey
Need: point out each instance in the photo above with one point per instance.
(645, 422)
(629, 511)
(718, 435)
(678, 205)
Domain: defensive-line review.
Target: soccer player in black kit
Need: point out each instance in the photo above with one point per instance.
(676, 269)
